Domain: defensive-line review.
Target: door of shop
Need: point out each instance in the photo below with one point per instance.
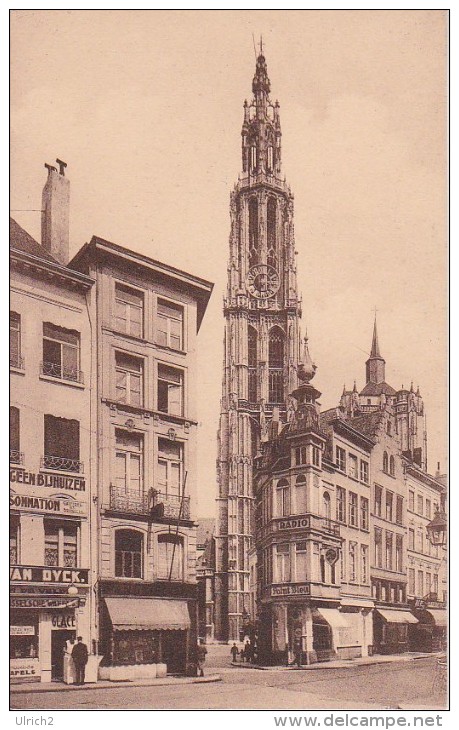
(174, 651)
(59, 639)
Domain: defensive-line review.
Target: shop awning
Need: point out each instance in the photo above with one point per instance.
(134, 614)
(397, 617)
(439, 615)
(333, 617)
(358, 602)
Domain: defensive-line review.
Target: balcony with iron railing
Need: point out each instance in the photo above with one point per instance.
(61, 463)
(155, 503)
(16, 361)
(61, 372)
(16, 457)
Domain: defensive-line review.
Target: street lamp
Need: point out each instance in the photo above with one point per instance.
(437, 529)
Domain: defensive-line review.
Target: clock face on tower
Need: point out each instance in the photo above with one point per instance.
(262, 281)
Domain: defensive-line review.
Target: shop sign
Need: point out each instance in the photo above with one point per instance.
(291, 589)
(51, 602)
(22, 630)
(20, 476)
(45, 504)
(37, 574)
(63, 621)
(293, 522)
(24, 668)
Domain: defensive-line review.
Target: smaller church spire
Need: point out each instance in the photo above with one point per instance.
(375, 344)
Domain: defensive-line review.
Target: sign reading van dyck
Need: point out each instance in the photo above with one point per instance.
(39, 574)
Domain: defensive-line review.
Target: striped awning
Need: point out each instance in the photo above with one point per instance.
(141, 614)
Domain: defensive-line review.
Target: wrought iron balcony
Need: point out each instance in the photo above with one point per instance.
(129, 500)
(16, 361)
(61, 372)
(16, 457)
(170, 505)
(61, 463)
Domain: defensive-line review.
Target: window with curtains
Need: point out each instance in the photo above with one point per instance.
(170, 390)
(364, 514)
(170, 467)
(16, 360)
(364, 563)
(364, 471)
(378, 500)
(399, 553)
(411, 500)
(170, 557)
(253, 231)
(353, 513)
(128, 310)
(61, 444)
(128, 554)
(14, 539)
(378, 547)
(15, 444)
(252, 364)
(399, 510)
(283, 571)
(276, 365)
(61, 353)
(389, 550)
(129, 461)
(410, 538)
(282, 498)
(300, 495)
(169, 326)
(420, 504)
(392, 466)
(301, 561)
(389, 505)
(385, 462)
(129, 379)
(353, 466)
(352, 562)
(340, 504)
(340, 458)
(61, 543)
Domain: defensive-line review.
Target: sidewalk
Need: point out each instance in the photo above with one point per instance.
(35, 687)
(340, 663)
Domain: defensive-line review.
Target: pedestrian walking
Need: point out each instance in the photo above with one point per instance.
(80, 659)
(201, 657)
(247, 651)
(234, 652)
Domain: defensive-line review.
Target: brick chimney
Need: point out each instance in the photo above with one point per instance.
(55, 213)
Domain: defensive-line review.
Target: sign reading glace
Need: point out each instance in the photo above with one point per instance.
(262, 281)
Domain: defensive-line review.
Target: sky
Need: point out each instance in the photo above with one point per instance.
(146, 109)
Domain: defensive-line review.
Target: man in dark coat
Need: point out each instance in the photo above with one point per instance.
(201, 657)
(80, 659)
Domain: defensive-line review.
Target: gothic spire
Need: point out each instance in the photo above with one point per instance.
(375, 344)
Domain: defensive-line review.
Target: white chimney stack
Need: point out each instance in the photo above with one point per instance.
(55, 213)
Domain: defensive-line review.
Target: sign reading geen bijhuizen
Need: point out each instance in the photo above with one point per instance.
(55, 481)
(56, 505)
(42, 574)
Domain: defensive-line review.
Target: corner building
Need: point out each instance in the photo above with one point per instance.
(51, 596)
(261, 341)
(146, 316)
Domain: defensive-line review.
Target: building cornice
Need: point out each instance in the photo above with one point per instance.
(49, 270)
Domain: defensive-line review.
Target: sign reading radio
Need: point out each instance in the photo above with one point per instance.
(19, 476)
(38, 574)
(47, 504)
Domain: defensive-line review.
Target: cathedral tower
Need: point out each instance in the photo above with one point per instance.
(261, 342)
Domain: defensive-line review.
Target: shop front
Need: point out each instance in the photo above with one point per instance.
(391, 630)
(430, 634)
(145, 637)
(45, 619)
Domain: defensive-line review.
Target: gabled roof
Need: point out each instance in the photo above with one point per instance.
(378, 389)
(20, 240)
(368, 423)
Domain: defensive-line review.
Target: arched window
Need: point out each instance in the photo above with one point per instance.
(252, 363)
(300, 495)
(283, 498)
(128, 554)
(253, 156)
(385, 462)
(270, 159)
(276, 365)
(392, 466)
(170, 553)
(253, 232)
(271, 219)
(326, 505)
